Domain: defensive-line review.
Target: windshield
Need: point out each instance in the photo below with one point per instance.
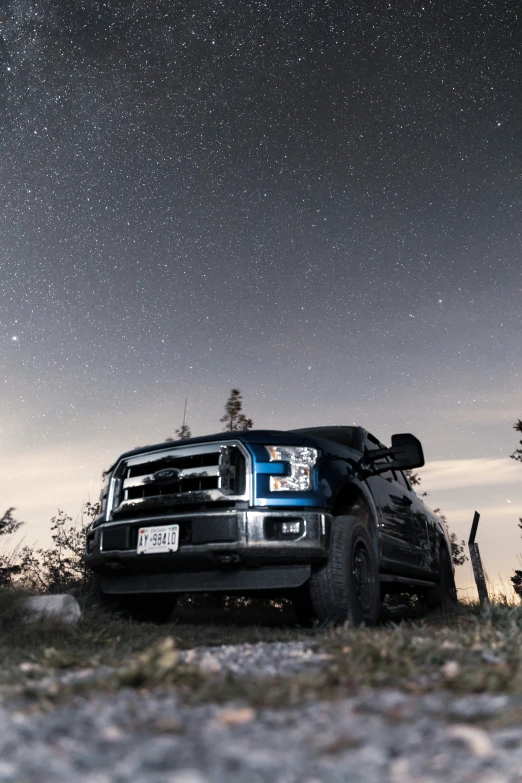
(347, 436)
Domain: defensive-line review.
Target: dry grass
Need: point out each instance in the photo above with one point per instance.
(103, 639)
(473, 651)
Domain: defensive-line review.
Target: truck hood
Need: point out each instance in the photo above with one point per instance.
(275, 437)
(266, 437)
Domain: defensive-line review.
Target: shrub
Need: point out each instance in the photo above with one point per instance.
(60, 567)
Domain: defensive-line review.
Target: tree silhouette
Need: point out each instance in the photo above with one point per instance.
(413, 478)
(233, 419)
(8, 524)
(183, 432)
(61, 567)
(517, 454)
(517, 578)
(8, 568)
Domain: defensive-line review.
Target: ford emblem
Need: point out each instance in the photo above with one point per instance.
(166, 476)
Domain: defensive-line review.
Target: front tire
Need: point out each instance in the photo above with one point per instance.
(303, 607)
(347, 588)
(149, 608)
(152, 608)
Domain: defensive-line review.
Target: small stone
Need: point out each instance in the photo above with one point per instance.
(473, 707)
(28, 667)
(333, 744)
(168, 726)
(400, 770)
(441, 762)
(384, 701)
(490, 657)
(187, 776)
(492, 777)
(234, 717)
(417, 641)
(476, 740)
(509, 738)
(209, 664)
(451, 670)
(112, 734)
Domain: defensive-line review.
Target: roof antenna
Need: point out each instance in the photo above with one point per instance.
(184, 414)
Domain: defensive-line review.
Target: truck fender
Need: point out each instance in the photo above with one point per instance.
(354, 497)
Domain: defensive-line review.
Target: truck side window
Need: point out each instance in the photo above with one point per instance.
(372, 443)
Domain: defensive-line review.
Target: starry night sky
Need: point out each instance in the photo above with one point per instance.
(316, 202)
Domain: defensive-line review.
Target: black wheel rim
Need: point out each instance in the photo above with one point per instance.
(362, 575)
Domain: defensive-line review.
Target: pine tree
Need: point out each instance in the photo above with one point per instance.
(183, 432)
(233, 419)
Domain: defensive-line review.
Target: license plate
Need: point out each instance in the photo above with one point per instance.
(158, 539)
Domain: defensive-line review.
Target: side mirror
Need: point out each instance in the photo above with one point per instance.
(406, 452)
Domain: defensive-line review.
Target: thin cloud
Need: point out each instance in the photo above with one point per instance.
(455, 473)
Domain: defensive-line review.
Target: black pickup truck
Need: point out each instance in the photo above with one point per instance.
(323, 515)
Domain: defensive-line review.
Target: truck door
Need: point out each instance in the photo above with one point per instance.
(401, 543)
(420, 523)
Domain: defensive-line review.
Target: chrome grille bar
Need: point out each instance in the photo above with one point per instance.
(176, 452)
(148, 478)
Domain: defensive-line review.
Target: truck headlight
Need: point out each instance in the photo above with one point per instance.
(301, 460)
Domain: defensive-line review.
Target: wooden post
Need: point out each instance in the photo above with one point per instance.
(476, 562)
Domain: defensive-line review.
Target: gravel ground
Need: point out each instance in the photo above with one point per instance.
(250, 660)
(152, 737)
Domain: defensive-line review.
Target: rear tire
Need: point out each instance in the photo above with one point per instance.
(347, 588)
(444, 595)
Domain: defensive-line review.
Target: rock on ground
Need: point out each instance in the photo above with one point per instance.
(61, 607)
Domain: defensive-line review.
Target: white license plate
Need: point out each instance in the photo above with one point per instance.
(158, 539)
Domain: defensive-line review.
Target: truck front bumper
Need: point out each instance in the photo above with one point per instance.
(228, 550)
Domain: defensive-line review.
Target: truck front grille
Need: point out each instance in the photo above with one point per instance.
(156, 482)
